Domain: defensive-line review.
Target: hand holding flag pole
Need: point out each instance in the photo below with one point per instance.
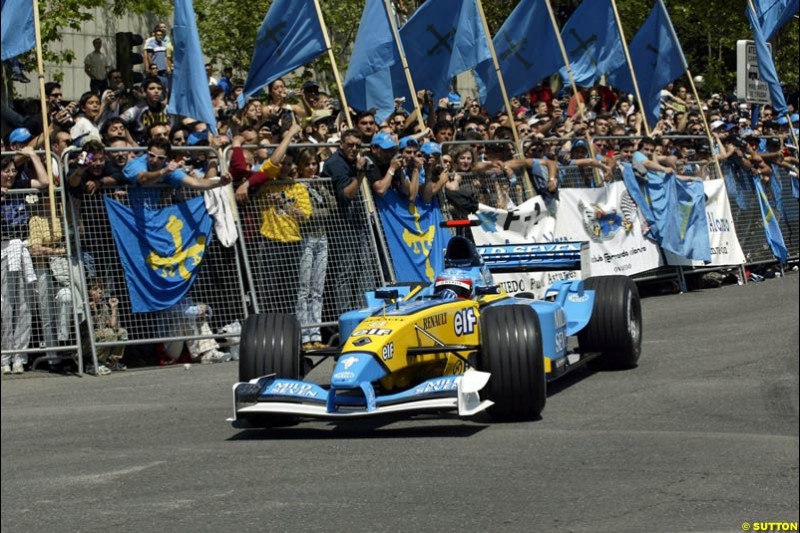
(511, 121)
(642, 105)
(337, 77)
(766, 67)
(597, 178)
(404, 62)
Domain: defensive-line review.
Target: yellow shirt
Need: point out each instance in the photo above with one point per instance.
(41, 235)
(278, 216)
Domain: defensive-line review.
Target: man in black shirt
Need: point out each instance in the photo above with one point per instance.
(353, 256)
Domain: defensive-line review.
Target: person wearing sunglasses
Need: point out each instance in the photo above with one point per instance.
(156, 166)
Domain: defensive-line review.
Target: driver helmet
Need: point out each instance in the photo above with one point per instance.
(454, 283)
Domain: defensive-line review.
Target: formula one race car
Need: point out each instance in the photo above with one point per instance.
(460, 344)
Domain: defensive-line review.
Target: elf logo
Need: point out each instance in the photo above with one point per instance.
(464, 321)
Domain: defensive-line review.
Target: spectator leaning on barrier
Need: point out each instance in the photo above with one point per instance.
(94, 170)
(155, 167)
(351, 244)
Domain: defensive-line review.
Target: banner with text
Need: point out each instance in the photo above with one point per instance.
(609, 219)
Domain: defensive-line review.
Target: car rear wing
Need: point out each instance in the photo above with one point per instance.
(536, 257)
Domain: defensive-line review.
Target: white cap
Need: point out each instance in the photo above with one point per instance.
(716, 124)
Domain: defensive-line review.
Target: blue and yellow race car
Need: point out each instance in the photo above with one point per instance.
(461, 344)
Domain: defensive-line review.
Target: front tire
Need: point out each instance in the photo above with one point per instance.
(270, 344)
(511, 350)
(615, 329)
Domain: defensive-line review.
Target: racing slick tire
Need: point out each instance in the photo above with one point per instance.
(270, 344)
(615, 329)
(511, 351)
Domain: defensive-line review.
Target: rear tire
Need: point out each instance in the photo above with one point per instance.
(270, 344)
(511, 350)
(615, 329)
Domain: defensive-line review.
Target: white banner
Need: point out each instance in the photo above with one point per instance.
(608, 218)
(725, 247)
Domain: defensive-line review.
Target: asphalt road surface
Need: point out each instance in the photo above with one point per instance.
(702, 436)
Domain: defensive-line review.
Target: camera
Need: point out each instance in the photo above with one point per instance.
(369, 164)
(335, 103)
(453, 105)
(67, 124)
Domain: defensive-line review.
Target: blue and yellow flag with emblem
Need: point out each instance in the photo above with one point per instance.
(416, 242)
(772, 230)
(160, 250)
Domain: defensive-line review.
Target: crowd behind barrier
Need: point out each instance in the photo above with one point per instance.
(76, 298)
(310, 245)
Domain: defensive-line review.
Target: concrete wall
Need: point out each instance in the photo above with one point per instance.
(105, 25)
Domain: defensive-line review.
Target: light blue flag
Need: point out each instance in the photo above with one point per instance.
(657, 61)
(774, 14)
(160, 250)
(375, 75)
(685, 227)
(18, 35)
(527, 50)
(674, 209)
(189, 95)
(766, 68)
(593, 43)
(416, 242)
(442, 39)
(289, 37)
(771, 228)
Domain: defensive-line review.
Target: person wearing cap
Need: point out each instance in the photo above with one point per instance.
(31, 169)
(579, 157)
(434, 171)
(384, 163)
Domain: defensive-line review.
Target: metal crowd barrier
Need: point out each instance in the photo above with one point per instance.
(41, 291)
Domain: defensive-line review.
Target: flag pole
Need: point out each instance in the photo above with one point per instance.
(401, 52)
(45, 122)
(337, 77)
(512, 122)
(630, 67)
(752, 7)
(578, 102)
(714, 155)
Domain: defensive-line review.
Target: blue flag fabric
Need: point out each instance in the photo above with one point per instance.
(290, 37)
(189, 95)
(442, 39)
(766, 67)
(771, 228)
(527, 51)
(375, 75)
(674, 209)
(416, 242)
(593, 43)
(774, 14)
(18, 35)
(657, 61)
(160, 250)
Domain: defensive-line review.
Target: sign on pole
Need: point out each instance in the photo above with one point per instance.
(749, 86)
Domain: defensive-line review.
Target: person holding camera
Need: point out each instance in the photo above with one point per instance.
(94, 170)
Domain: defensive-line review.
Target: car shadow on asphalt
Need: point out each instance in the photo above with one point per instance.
(363, 429)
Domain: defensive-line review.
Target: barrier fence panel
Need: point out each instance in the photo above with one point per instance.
(213, 304)
(40, 292)
(747, 215)
(785, 204)
(306, 255)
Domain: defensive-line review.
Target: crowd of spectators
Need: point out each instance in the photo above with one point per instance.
(449, 151)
